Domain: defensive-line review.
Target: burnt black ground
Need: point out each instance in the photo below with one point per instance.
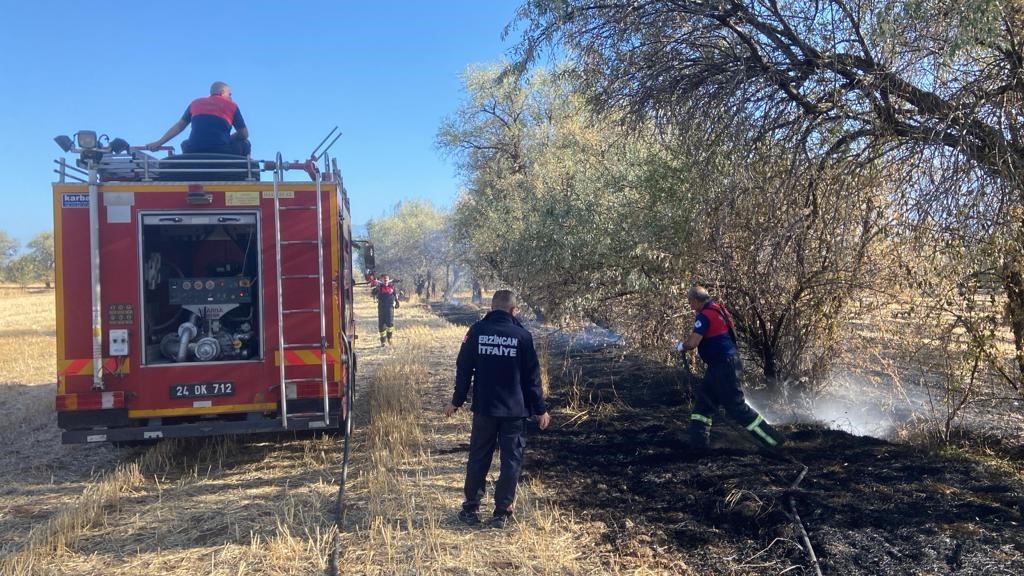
(870, 507)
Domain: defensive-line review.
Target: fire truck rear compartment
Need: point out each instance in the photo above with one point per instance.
(200, 290)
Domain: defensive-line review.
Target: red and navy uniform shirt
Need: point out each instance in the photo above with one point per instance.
(212, 118)
(386, 296)
(716, 344)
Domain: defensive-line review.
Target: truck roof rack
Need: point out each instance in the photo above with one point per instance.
(119, 162)
(141, 167)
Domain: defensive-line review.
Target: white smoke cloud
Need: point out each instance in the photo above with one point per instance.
(849, 403)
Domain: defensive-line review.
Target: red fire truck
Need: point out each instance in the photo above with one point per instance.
(196, 299)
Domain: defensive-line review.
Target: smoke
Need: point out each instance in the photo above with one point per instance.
(849, 403)
(588, 339)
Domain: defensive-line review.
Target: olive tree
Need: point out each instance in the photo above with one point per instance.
(590, 220)
(8, 248)
(411, 241)
(937, 84)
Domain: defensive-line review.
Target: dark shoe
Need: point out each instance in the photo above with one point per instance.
(382, 343)
(469, 518)
(697, 445)
(698, 450)
(766, 434)
(500, 520)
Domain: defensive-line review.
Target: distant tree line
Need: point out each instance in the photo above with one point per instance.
(32, 265)
(412, 244)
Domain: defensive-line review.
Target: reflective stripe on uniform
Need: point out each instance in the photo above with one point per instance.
(756, 429)
(700, 418)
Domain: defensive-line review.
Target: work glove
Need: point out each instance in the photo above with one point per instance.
(680, 347)
(396, 302)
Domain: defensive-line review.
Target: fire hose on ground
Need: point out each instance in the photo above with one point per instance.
(342, 505)
(794, 517)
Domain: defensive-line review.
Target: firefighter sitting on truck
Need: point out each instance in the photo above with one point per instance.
(714, 338)
(212, 118)
(387, 301)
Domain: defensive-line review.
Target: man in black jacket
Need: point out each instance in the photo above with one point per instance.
(498, 359)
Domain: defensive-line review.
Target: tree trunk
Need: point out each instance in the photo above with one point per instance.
(1013, 283)
(762, 350)
(477, 293)
(447, 282)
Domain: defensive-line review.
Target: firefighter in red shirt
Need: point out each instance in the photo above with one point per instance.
(714, 338)
(212, 118)
(387, 301)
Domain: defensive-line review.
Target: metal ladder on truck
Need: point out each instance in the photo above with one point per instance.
(284, 343)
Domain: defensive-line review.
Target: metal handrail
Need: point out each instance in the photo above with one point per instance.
(63, 171)
(64, 176)
(128, 167)
(117, 167)
(217, 170)
(320, 278)
(94, 277)
(278, 176)
(178, 160)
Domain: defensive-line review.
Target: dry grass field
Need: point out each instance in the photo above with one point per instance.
(402, 506)
(264, 505)
(27, 361)
(39, 478)
(27, 336)
(607, 489)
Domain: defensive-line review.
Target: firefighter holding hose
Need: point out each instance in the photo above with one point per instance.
(715, 340)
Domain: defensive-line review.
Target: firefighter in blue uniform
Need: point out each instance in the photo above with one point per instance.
(212, 118)
(387, 301)
(498, 360)
(714, 338)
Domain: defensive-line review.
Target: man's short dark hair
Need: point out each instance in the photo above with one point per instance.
(503, 300)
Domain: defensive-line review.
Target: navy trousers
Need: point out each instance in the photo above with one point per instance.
(508, 435)
(385, 319)
(720, 388)
(234, 147)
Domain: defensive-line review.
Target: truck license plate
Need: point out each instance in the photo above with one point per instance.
(202, 390)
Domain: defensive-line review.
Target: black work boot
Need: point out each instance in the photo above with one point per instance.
(389, 338)
(699, 441)
(764, 433)
(500, 519)
(469, 517)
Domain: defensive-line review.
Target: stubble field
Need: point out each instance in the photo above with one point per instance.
(266, 504)
(608, 489)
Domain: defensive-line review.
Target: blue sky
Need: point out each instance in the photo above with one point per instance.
(385, 72)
